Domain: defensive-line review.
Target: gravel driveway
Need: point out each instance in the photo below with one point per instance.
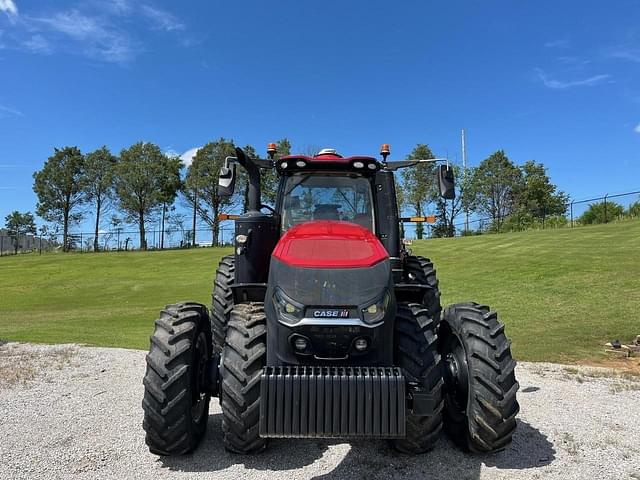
(74, 412)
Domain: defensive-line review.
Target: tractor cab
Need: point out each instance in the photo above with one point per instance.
(326, 187)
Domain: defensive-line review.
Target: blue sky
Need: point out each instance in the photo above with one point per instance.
(557, 82)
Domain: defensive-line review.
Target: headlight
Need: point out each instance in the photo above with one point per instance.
(289, 311)
(376, 311)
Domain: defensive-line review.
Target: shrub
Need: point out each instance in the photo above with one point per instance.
(601, 212)
(634, 210)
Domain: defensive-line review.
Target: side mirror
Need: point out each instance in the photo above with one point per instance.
(227, 180)
(446, 182)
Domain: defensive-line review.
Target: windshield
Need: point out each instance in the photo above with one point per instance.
(327, 197)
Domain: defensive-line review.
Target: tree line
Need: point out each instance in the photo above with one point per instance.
(142, 182)
(497, 189)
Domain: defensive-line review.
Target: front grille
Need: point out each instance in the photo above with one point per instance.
(327, 402)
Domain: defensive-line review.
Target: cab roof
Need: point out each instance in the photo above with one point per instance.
(327, 161)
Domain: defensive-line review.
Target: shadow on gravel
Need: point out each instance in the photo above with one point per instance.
(279, 455)
(369, 459)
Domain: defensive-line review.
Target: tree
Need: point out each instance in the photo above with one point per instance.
(495, 185)
(538, 196)
(419, 183)
(310, 150)
(116, 226)
(60, 188)
(170, 185)
(634, 210)
(601, 212)
(19, 224)
(140, 179)
(201, 183)
(99, 170)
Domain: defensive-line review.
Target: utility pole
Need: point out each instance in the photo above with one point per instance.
(464, 180)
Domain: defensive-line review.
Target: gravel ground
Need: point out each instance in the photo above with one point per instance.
(74, 412)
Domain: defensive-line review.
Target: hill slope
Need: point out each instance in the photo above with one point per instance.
(562, 293)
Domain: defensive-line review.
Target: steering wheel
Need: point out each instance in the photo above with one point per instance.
(271, 209)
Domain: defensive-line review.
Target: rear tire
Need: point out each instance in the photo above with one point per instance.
(176, 401)
(417, 354)
(420, 270)
(480, 383)
(222, 300)
(243, 357)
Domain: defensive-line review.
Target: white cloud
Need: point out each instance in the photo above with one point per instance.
(630, 54)
(559, 43)
(560, 84)
(6, 111)
(161, 19)
(637, 129)
(98, 39)
(118, 6)
(187, 157)
(106, 30)
(37, 44)
(9, 7)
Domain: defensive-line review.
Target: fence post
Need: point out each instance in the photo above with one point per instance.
(81, 243)
(572, 212)
(606, 220)
(40, 244)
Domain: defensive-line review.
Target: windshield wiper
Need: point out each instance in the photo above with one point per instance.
(302, 179)
(348, 202)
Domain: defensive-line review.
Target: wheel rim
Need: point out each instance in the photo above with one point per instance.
(199, 380)
(456, 377)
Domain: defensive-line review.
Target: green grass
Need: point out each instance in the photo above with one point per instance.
(562, 293)
(108, 299)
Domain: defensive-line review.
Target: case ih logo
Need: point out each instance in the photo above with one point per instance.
(331, 313)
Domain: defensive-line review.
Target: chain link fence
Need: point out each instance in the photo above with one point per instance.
(610, 211)
(129, 239)
(115, 240)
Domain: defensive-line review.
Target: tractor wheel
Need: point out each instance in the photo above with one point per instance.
(480, 384)
(176, 401)
(243, 357)
(420, 270)
(417, 354)
(222, 301)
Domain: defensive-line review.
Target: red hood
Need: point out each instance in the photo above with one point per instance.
(329, 244)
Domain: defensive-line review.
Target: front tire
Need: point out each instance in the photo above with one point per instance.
(416, 353)
(480, 383)
(420, 270)
(222, 300)
(243, 357)
(176, 401)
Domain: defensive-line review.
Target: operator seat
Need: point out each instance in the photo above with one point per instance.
(326, 212)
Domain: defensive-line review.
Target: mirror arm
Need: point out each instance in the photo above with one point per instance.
(398, 164)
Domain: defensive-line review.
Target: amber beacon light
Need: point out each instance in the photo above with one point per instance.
(271, 150)
(385, 150)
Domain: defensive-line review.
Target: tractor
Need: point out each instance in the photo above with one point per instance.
(324, 325)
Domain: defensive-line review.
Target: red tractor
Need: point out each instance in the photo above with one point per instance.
(323, 325)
